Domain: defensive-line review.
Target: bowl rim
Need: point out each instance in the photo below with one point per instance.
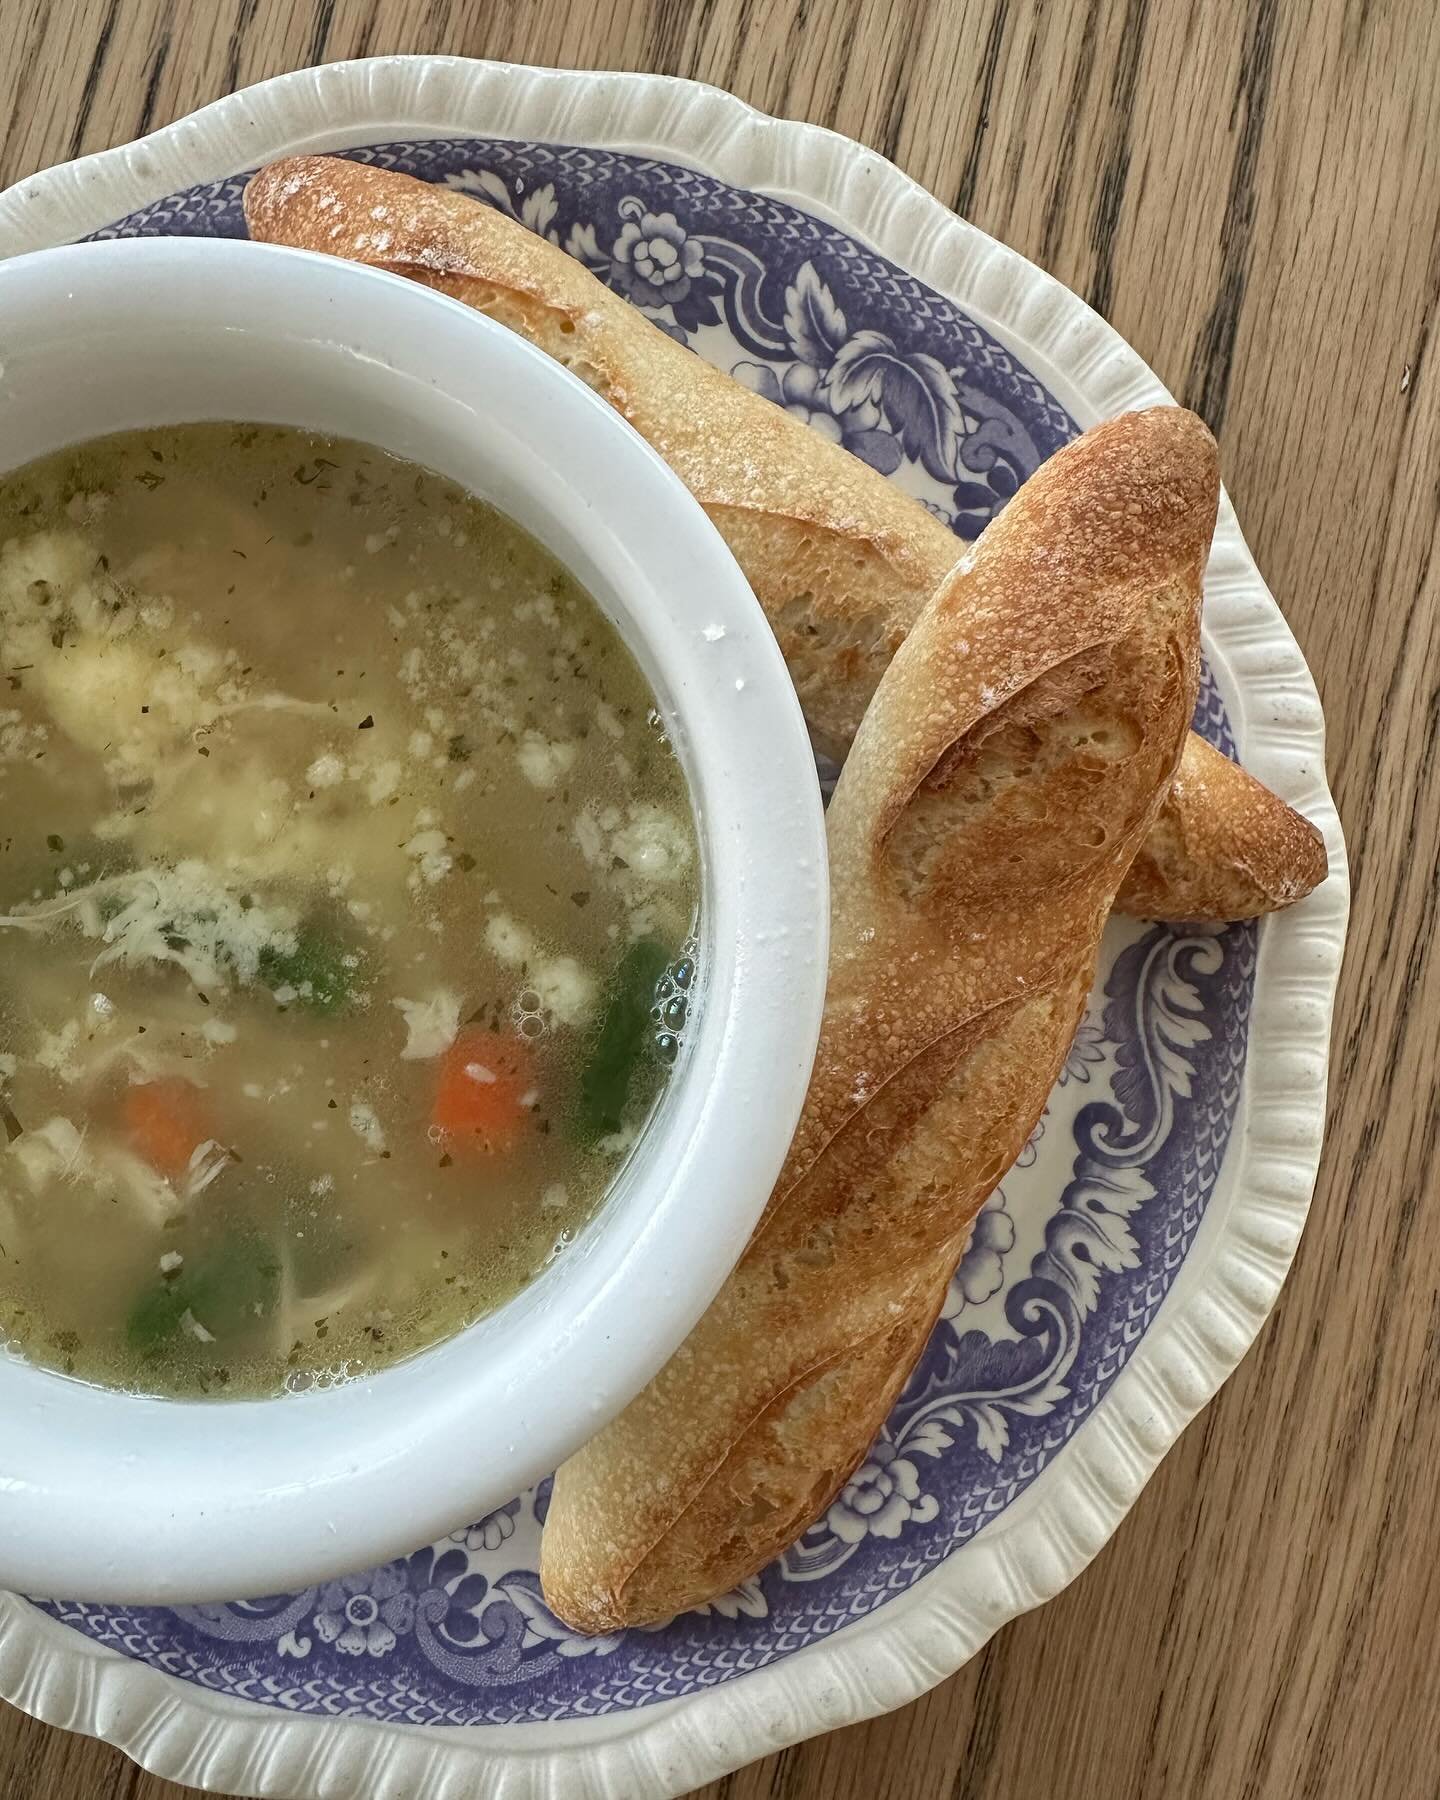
(212, 1505)
(900, 1651)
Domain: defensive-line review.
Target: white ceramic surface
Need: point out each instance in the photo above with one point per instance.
(1229, 1279)
(130, 1498)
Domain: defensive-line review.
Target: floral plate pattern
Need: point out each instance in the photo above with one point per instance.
(1071, 1261)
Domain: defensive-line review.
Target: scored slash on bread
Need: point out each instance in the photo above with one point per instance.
(840, 559)
(1012, 761)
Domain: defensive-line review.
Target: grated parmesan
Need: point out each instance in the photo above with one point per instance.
(430, 1025)
(542, 762)
(365, 1123)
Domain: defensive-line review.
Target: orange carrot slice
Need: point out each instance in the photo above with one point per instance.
(166, 1121)
(484, 1096)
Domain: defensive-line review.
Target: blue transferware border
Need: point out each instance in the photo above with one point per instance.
(1070, 1260)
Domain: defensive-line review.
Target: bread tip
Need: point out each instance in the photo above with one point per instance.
(1308, 864)
(597, 1614)
(1170, 431)
(274, 184)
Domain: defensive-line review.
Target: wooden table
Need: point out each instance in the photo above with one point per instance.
(1251, 192)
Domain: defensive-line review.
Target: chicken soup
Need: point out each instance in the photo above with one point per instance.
(347, 895)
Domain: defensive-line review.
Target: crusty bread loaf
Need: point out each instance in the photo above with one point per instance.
(1009, 766)
(841, 560)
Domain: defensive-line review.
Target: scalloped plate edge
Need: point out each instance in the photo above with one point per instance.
(1232, 1275)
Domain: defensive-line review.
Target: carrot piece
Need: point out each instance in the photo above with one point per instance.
(483, 1097)
(166, 1121)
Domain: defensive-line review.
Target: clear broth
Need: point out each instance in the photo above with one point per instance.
(348, 883)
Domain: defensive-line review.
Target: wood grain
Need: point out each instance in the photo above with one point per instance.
(1250, 189)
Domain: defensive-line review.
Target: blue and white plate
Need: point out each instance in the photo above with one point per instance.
(1128, 1260)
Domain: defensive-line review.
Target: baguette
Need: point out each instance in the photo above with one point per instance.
(1010, 764)
(840, 559)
